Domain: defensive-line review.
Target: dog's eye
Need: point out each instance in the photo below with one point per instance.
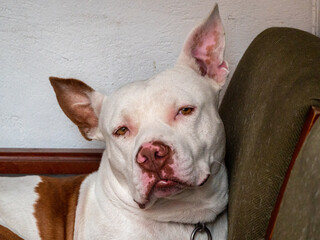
(121, 131)
(186, 110)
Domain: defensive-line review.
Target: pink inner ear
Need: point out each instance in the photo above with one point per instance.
(206, 46)
(207, 49)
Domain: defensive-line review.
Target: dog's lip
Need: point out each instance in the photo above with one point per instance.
(168, 187)
(204, 181)
(167, 183)
(163, 183)
(165, 188)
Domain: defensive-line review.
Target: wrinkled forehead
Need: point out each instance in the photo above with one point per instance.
(167, 90)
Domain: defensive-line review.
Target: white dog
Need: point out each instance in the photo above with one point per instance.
(163, 168)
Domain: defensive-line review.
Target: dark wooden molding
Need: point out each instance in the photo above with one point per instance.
(49, 161)
(312, 117)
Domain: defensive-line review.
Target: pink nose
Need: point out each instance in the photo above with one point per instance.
(153, 156)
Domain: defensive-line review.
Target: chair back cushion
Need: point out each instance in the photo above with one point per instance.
(263, 110)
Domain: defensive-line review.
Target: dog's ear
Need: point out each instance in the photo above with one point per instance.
(204, 49)
(81, 104)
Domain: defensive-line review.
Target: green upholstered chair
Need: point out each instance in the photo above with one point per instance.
(264, 110)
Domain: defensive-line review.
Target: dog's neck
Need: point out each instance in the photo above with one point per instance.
(191, 206)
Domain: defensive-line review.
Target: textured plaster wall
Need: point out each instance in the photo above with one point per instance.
(107, 44)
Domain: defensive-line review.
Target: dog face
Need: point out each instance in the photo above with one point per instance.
(162, 135)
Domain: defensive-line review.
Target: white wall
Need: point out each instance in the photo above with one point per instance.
(107, 44)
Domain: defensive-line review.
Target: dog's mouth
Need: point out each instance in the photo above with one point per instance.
(168, 187)
(165, 188)
(162, 188)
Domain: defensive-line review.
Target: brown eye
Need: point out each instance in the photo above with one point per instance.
(186, 110)
(121, 131)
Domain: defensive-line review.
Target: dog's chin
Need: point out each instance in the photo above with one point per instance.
(165, 188)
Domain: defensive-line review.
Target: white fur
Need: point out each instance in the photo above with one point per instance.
(107, 209)
(147, 103)
(17, 197)
(202, 130)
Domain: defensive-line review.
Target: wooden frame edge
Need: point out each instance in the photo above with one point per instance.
(49, 161)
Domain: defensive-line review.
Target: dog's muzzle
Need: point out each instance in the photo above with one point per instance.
(156, 160)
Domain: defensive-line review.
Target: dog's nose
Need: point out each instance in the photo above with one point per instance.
(153, 156)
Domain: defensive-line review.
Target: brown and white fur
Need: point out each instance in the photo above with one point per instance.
(163, 167)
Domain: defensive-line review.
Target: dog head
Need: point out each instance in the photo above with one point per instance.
(164, 135)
